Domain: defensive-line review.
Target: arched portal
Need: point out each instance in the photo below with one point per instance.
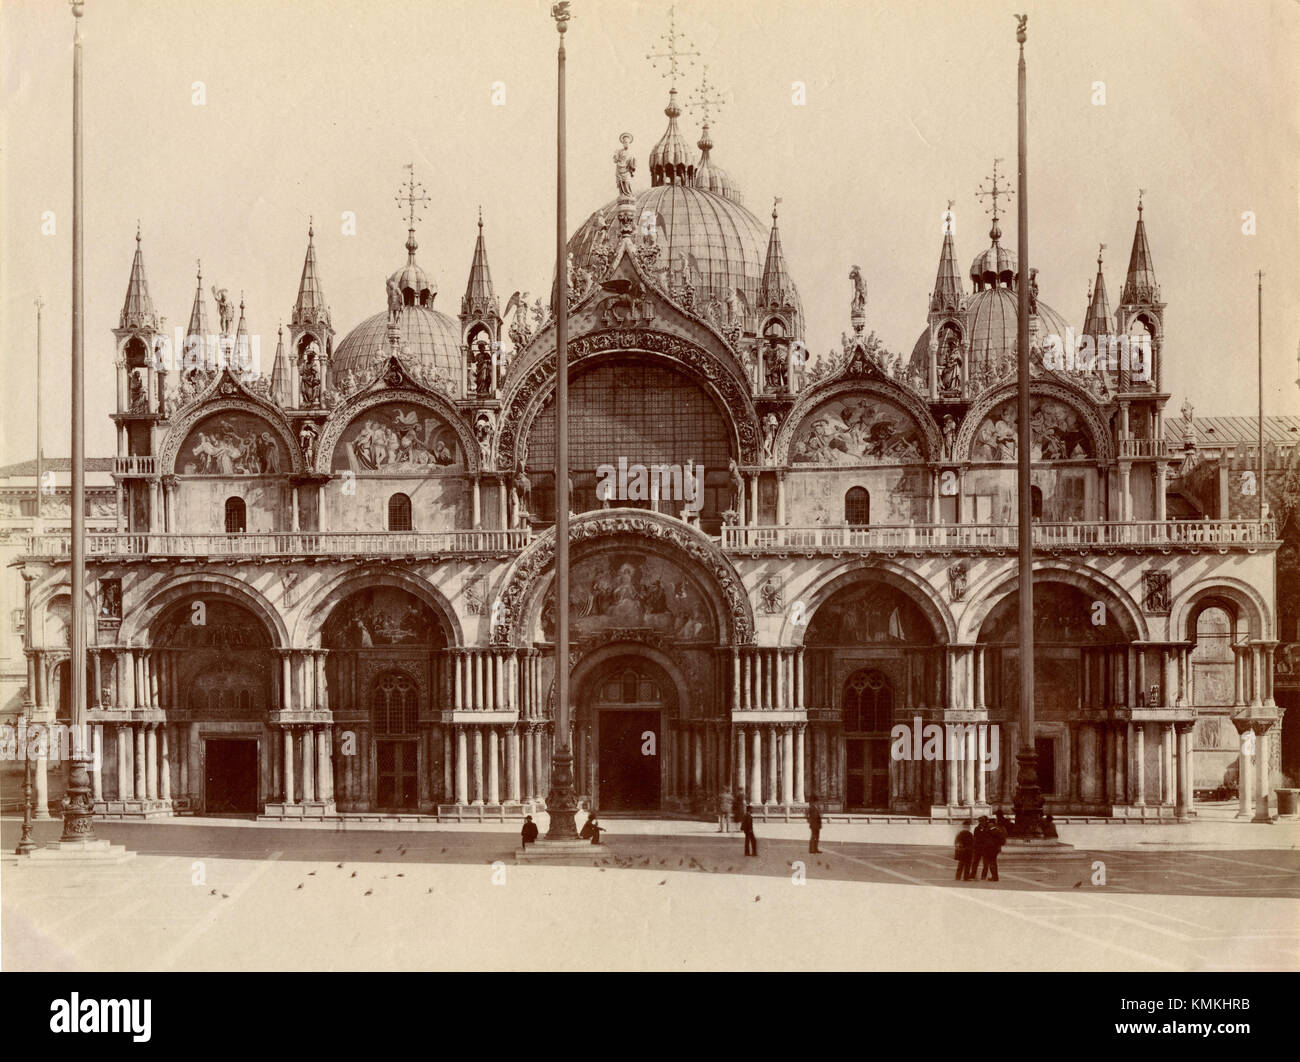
(384, 674)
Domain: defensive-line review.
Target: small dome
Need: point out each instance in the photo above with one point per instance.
(430, 346)
(712, 177)
(994, 266)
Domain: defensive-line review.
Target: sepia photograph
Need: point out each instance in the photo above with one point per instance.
(726, 486)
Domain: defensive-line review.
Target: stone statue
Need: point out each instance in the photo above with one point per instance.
(949, 435)
(225, 309)
(307, 440)
(1033, 292)
(483, 425)
(522, 488)
(858, 307)
(624, 167)
(394, 301)
(482, 369)
(737, 484)
(138, 399)
(950, 370)
(309, 384)
(770, 424)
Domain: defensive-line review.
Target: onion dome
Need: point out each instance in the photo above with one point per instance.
(430, 341)
(995, 266)
(137, 310)
(709, 175)
(671, 161)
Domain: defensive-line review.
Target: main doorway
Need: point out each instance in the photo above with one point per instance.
(627, 709)
(231, 781)
(395, 775)
(868, 714)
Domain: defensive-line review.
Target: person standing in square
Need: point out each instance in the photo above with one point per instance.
(814, 826)
(747, 827)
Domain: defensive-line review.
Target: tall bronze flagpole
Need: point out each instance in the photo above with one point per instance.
(1028, 801)
(78, 808)
(1259, 426)
(40, 305)
(561, 799)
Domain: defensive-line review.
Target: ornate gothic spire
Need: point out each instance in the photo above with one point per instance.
(479, 298)
(947, 294)
(137, 310)
(776, 289)
(199, 311)
(310, 307)
(1098, 321)
(1140, 284)
(281, 389)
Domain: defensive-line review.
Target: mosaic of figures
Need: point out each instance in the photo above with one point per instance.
(209, 623)
(868, 612)
(632, 591)
(856, 430)
(232, 444)
(382, 616)
(1056, 432)
(397, 437)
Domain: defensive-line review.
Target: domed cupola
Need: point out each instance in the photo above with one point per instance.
(411, 281)
(671, 160)
(712, 177)
(996, 266)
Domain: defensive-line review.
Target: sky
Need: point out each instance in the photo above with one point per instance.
(314, 108)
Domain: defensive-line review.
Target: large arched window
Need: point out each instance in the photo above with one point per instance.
(236, 516)
(394, 704)
(1212, 659)
(399, 513)
(857, 507)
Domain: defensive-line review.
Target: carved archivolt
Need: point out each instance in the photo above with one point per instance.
(837, 387)
(241, 402)
(532, 564)
(1078, 400)
(341, 417)
(530, 393)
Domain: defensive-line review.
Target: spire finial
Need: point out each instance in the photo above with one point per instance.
(311, 228)
(137, 230)
(775, 201)
(1141, 193)
(480, 217)
(414, 194)
(704, 98)
(1100, 247)
(198, 265)
(947, 218)
(672, 42)
(992, 192)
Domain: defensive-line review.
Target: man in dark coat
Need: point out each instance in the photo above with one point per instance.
(980, 845)
(590, 829)
(963, 850)
(747, 828)
(814, 826)
(528, 835)
(993, 840)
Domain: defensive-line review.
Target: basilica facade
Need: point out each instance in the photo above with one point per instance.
(330, 589)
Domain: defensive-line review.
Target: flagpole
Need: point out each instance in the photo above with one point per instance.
(1028, 798)
(561, 799)
(40, 305)
(1259, 426)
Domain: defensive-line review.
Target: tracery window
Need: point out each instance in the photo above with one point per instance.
(395, 704)
(868, 703)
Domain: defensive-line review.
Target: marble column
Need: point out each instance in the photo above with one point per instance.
(478, 765)
(462, 767)
(493, 757)
(755, 766)
(799, 762)
(787, 765)
(97, 761)
(288, 765)
(124, 789)
(164, 765)
(1139, 754)
(140, 761)
(512, 764)
(1261, 776)
(324, 781)
(1184, 769)
(308, 765)
(773, 766)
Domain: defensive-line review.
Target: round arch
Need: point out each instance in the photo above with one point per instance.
(528, 394)
(180, 587)
(986, 595)
(524, 584)
(238, 401)
(893, 574)
(592, 663)
(1078, 400)
(315, 615)
(1244, 599)
(406, 391)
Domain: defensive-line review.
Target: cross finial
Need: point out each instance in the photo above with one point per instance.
(1100, 247)
(414, 194)
(776, 199)
(1141, 193)
(947, 218)
(703, 97)
(673, 42)
(993, 191)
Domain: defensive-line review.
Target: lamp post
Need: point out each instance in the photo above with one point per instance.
(78, 806)
(561, 799)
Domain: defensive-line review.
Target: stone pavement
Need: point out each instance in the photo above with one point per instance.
(664, 895)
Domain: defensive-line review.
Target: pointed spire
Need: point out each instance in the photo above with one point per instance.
(1097, 321)
(241, 330)
(776, 289)
(479, 296)
(948, 292)
(281, 391)
(310, 307)
(137, 310)
(1140, 284)
(671, 161)
(199, 311)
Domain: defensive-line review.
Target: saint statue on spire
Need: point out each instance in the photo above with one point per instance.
(624, 166)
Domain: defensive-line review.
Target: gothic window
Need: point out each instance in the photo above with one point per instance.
(395, 704)
(236, 516)
(1036, 502)
(868, 703)
(399, 513)
(857, 507)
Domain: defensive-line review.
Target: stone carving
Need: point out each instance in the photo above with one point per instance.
(110, 599)
(288, 582)
(307, 440)
(394, 301)
(737, 486)
(225, 309)
(1155, 592)
(540, 555)
(483, 426)
(475, 595)
(957, 581)
(858, 307)
(309, 383)
(624, 166)
(949, 435)
(771, 595)
(770, 424)
(950, 366)
(520, 333)
(139, 398)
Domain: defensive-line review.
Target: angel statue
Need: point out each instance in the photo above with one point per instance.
(225, 308)
(519, 331)
(859, 304)
(624, 166)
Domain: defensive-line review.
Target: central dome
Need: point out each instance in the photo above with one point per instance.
(723, 242)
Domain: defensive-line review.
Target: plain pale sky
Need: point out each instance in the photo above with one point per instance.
(313, 108)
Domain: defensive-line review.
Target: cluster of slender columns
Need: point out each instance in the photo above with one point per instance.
(487, 679)
(304, 770)
(496, 764)
(767, 679)
(769, 763)
(143, 762)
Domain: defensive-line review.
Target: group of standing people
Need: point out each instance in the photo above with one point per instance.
(979, 850)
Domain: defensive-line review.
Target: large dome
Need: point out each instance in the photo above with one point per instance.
(991, 318)
(430, 346)
(724, 243)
